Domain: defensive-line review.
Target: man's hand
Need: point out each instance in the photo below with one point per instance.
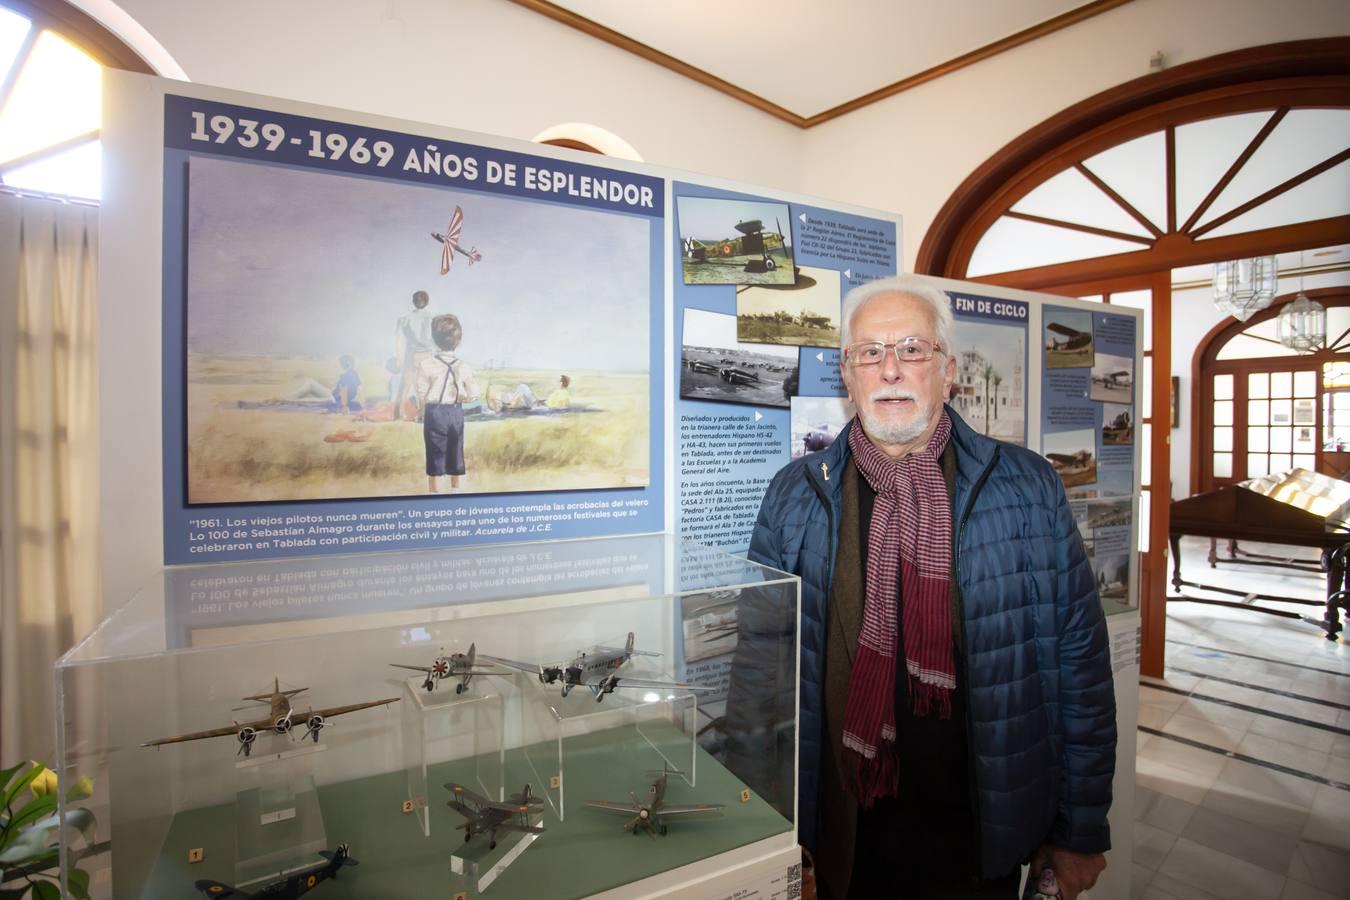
(1075, 872)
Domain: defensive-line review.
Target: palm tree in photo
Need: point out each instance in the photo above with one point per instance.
(998, 379)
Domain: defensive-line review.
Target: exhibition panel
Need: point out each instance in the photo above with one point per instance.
(495, 718)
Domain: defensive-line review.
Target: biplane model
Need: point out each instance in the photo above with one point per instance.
(484, 816)
(296, 884)
(1069, 338)
(596, 670)
(280, 721)
(650, 815)
(753, 242)
(450, 243)
(456, 665)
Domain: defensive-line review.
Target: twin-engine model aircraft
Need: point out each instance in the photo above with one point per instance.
(650, 816)
(456, 665)
(484, 816)
(296, 884)
(279, 722)
(596, 670)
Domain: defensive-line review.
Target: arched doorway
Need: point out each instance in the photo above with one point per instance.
(1109, 196)
(1262, 408)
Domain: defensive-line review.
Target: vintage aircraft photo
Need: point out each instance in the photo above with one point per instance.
(728, 242)
(1068, 338)
(296, 884)
(596, 670)
(650, 815)
(279, 722)
(456, 665)
(1112, 379)
(484, 816)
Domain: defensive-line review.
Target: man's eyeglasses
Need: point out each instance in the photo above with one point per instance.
(908, 350)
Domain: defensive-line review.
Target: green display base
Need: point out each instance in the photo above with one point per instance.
(588, 853)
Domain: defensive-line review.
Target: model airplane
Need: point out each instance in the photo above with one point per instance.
(596, 670)
(280, 721)
(698, 365)
(651, 815)
(484, 816)
(455, 665)
(295, 884)
(1073, 339)
(450, 243)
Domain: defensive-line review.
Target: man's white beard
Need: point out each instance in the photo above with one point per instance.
(891, 432)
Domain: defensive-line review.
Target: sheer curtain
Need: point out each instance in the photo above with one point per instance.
(49, 542)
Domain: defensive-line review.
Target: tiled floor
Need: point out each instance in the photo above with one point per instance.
(1242, 786)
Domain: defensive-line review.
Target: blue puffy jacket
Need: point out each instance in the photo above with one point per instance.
(1042, 723)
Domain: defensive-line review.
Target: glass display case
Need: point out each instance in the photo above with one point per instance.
(484, 721)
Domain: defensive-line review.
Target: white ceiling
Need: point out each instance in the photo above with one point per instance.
(808, 56)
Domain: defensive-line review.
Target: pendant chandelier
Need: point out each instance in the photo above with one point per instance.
(1243, 287)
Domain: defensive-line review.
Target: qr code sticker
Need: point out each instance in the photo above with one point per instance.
(794, 885)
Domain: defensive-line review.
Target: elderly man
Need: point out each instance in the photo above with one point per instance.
(957, 711)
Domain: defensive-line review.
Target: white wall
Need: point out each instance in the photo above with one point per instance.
(480, 65)
(910, 153)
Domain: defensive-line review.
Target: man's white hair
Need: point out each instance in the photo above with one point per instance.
(917, 286)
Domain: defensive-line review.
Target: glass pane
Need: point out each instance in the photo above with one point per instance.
(1223, 412)
(1018, 244)
(13, 29)
(1223, 387)
(1258, 385)
(1305, 411)
(1257, 465)
(1304, 461)
(1281, 440)
(1070, 197)
(1143, 521)
(57, 96)
(1305, 384)
(1145, 433)
(1136, 170)
(1257, 439)
(1280, 462)
(1342, 400)
(77, 172)
(1223, 438)
(1335, 374)
(1223, 465)
(1303, 440)
(1258, 412)
(1281, 384)
(1146, 395)
(1205, 150)
(1280, 411)
(1302, 139)
(1092, 298)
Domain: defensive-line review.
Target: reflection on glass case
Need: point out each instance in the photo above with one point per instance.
(559, 719)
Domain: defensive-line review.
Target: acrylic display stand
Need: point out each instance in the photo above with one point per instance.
(440, 726)
(654, 727)
(278, 823)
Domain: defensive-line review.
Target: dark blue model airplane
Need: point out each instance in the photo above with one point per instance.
(295, 884)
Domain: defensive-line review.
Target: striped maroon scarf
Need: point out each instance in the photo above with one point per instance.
(909, 546)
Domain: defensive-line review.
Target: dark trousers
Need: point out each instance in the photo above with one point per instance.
(443, 434)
